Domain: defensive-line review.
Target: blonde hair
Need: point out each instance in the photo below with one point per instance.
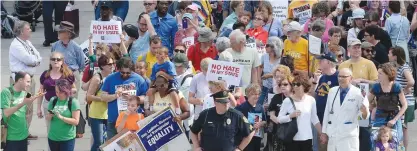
(220, 84)
(163, 50)
(204, 63)
(285, 70)
(384, 130)
(253, 89)
(65, 70)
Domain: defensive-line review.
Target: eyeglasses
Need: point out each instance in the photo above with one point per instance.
(366, 20)
(56, 59)
(147, 4)
(367, 50)
(296, 84)
(110, 64)
(179, 50)
(125, 73)
(283, 84)
(269, 45)
(343, 77)
(340, 56)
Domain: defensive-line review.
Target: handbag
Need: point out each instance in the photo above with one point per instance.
(287, 131)
(72, 15)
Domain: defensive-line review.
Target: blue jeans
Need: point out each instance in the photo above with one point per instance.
(264, 95)
(111, 130)
(120, 9)
(62, 145)
(97, 129)
(21, 145)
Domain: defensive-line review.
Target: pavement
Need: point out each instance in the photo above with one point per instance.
(38, 126)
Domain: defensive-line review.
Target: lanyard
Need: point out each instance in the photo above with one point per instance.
(28, 48)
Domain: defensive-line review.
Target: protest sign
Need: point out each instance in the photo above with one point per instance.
(127, 89)
(255, 118)
(279, 9)
(314, 45)
(261, 51)
(188, 42)
(161, 130)
(303, 13)
(84, 47)
(364, 88)
(106, 31)
(124, 141)
(227, 71)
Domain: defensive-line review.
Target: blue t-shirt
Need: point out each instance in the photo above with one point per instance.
(140, 46)
(135, 81)
(168, 67)
(323, 87)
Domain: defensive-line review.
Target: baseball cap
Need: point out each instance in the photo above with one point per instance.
(180, 59)
(366, 45)
(193, 7)
(132, 31)
(106, 4)
(354, 42)
(293, 25)
(328, 56)
(221, 97)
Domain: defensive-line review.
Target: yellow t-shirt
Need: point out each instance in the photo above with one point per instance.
(363, 69)
(301, 9)
(299, 51)
(162, 103)
(98, 110)
(150, 60)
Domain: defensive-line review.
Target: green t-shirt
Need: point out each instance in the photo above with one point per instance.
(59, 130)
(17, 127)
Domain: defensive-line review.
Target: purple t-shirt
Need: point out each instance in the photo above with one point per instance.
(49, 84)
(382, 148)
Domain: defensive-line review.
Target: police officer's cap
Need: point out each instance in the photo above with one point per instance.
(221, 97)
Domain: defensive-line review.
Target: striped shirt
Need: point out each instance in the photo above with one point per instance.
(400, 78)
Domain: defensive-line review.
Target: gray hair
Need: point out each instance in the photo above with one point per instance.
(239, 35)
(222, 43)
(19, 27)
(347, 70)
(277, 44)
(204, 63)
(318, 25)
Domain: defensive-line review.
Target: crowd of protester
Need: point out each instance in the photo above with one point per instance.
(357, 94)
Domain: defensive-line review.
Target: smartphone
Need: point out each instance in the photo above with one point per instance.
(51, 112)
(28, 95)
(184, 23)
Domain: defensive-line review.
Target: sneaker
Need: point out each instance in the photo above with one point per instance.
(32, 137)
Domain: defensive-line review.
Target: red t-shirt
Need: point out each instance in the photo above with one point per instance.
(195, 55)
(86, 75)
(258, 33)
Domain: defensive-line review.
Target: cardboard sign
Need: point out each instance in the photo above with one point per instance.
(261, 51)
(84, 47)
(227, 71)
(188, 42)
(160, 131)
(106, 31)
(129, 89)
(314, 45)
(279, 9)
(124, 141)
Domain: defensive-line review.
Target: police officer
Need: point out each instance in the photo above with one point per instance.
(220, 126)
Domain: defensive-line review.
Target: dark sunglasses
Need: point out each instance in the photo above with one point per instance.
(179, 50)
(296, 84)
(340, 56)
(147, 4)
(367, 50)
(283, 84)
(110, 64)
(159, 85)
(125, 73)
(269, 45)
(56, 59)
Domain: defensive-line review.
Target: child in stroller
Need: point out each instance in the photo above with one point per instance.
(386, 139)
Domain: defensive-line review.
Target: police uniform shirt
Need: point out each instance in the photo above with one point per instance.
(218, 132)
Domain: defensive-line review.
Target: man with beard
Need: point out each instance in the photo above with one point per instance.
(165, 24)
(106, 12)
(141, 45)
(125, 81)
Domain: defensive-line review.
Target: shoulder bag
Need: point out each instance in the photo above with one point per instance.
(287, 131)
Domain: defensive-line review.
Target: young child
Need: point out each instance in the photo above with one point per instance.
(384, 141)
(141, 67)
(129, 118)
(167, 69)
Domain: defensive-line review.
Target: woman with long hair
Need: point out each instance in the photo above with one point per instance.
(405, 78)
(97, 113)
(57, 70)
(64, 115)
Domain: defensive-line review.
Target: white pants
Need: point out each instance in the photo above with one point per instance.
(343, 144)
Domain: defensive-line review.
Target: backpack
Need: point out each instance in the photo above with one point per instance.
(4, 124)
(55, 100)
(7, 25)
(80, 128)
(185, 78)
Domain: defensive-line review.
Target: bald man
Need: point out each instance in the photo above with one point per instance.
(345, 103)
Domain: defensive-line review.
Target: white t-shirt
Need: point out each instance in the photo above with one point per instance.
(308, 116)
(199, 86)
(184, 89)
(249, 59)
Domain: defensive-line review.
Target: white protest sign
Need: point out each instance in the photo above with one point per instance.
(127, 89)
(303, 13)
(227, 71)
(106, 31)
(124, 141)
(279, 9)
(314, 45)
(251, 45)
(84, 47)
(188, 42)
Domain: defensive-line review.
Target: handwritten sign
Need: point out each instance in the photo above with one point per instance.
(188, 42)
(160, 131)
(227, 71)
(106, 31)
(129, 89)
(279, 9)
(303, 13)
(314, 45)
(124, 141)
(84, 47)
(261, 51)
